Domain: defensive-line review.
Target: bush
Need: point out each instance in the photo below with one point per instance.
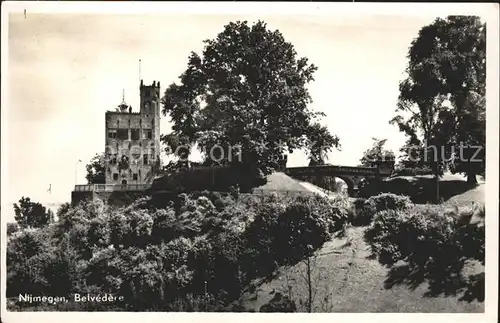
(284, 233)
(280, 304)
(194, 303)
(434, 243)
(155, 256)
(367, 208)
(417, 234)
(407, 171)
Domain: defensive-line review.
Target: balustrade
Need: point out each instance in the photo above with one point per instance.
(111, 187)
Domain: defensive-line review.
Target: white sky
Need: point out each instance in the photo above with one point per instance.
(65, 71)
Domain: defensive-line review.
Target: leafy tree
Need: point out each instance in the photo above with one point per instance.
(442, 100)
(246, 94)
(30, 214)
(63, 209)
(320, 142)
(96, 170)
(376, 154)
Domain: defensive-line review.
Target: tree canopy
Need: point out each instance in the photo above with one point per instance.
(377, 153)
(29, 214)
(247, 95)
(96, 170)
(442, 100)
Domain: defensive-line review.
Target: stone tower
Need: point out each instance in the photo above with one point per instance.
(133, 139)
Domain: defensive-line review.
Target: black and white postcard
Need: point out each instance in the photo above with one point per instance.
(227, 161)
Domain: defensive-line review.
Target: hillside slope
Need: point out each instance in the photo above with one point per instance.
(345, 280)
(476, 194)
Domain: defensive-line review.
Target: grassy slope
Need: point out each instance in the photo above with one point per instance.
(477, 194)
(349, 282)
(279, 181)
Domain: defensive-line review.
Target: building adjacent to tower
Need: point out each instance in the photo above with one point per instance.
(131, 147)
(132, 144)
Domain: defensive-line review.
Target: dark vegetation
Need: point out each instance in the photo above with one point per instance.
(29, 214)
(442, 100)
(245, 94)
(433, 244)
(201, 251)
(420, 189)
(160, 258)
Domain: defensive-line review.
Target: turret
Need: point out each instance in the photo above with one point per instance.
(150, 99)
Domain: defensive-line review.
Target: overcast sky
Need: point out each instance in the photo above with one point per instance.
(65, 71)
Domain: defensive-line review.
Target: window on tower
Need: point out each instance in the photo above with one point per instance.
(134, 134)
(115, 176)
(122, 134)
(135, 177)
(112, 133)
(145, 159)
(147, 134)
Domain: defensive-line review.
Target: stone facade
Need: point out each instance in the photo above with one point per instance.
(132, 143)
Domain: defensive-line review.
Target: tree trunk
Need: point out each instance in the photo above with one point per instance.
(471, 178)
(309, 301)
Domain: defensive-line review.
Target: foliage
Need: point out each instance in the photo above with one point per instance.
(285, 233)
(367, 208)
(420, 189)
(280, 304)
(243, 101)
(198, 253)
(195, 303)
(377, 153)
(433, 242)
(30, 214)
(96, 170)
(412, 171)
(442, 100)
(12, 228)
(320, 142)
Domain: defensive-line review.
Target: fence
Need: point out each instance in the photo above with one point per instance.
(111, 187)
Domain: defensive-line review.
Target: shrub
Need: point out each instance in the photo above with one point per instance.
(418, 234)
(12, 228)
(432, 240)
(194, 303)
(283, 233)
(366, 209)
(155, 256)
(280, 304)
(407, 171)
(369, 187)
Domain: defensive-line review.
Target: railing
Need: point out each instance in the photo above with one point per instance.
(111, 187)
(331, 169)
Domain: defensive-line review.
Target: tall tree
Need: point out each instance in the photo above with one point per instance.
(247, 95)
(96, 170)
(377, 153)
(29, 214)
(320, 142)
(442, 100)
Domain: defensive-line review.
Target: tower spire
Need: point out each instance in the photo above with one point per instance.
(140, 70)
(123, 106)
